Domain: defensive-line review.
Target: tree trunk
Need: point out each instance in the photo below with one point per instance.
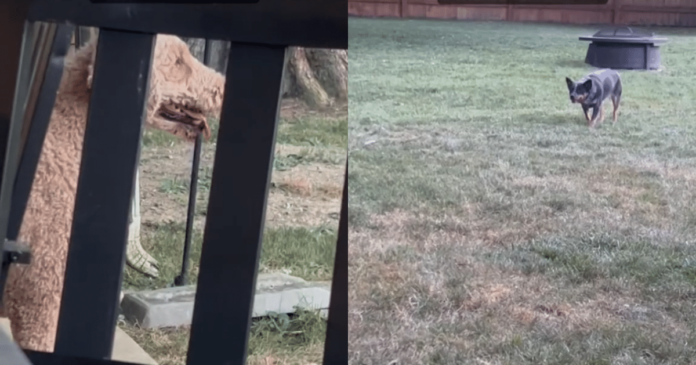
(307, 87)
(317, 76)
(218, 52)
(330, 67)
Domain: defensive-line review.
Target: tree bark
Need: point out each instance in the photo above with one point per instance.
(330, 67)
(319, 77)
(218, 52)
(307, 87)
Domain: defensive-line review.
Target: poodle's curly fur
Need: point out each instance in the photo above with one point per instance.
(178, 82)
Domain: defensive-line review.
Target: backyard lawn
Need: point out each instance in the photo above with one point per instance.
(490, 226)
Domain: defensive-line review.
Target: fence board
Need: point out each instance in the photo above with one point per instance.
(488, 13)
(372, 9)
(620, 12)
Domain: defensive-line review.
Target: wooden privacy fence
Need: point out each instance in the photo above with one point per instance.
(260, 34)
(624, 12)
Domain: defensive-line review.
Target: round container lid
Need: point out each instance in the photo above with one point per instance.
(625, 35)
(623, 32)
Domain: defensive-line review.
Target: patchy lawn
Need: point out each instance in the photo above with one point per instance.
(300, 236)
(489, 226)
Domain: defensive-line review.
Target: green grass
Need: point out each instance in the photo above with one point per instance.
(307, 155)
(314, 131)
(490, 226)
(306, 252)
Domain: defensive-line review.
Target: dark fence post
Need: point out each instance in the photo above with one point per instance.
(52, 62)
(236, 208)
(105, 186)
(336, 345)
(15, 72)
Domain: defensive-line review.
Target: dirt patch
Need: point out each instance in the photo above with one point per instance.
(307, 194)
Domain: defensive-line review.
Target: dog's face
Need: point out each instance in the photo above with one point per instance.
(578, 91)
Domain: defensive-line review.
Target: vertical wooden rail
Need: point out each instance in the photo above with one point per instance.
(49, 72)
(404, 9)
(14, 71)
(336, 344)
(97, 250)
(237, 208)
(615, 11)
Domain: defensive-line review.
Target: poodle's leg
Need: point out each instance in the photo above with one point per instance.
(33, 306)
(33, 292)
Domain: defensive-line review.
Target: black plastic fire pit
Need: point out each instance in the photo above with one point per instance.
(624, 48)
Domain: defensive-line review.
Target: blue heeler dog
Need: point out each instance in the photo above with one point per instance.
(592, 90)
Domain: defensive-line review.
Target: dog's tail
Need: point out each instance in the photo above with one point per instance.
(619, 86)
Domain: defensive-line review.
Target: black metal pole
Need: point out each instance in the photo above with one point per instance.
(207, 52)
(182, 279)
(78, 37)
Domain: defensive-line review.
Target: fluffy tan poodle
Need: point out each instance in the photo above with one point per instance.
(183, 92)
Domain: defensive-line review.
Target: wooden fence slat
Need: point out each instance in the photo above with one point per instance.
(618, 12)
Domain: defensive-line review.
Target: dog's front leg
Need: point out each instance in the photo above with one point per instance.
(595, 114)
(585, 109)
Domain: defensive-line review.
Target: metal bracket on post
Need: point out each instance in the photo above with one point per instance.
(13, 253)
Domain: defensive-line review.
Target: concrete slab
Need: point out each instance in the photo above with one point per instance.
(125, 349)
(275, 293)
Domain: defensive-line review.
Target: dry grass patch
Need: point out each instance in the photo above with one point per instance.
(442, 298)
(299, 185)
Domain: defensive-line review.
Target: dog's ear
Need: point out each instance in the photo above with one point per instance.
(570, 83)
(587, 85)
